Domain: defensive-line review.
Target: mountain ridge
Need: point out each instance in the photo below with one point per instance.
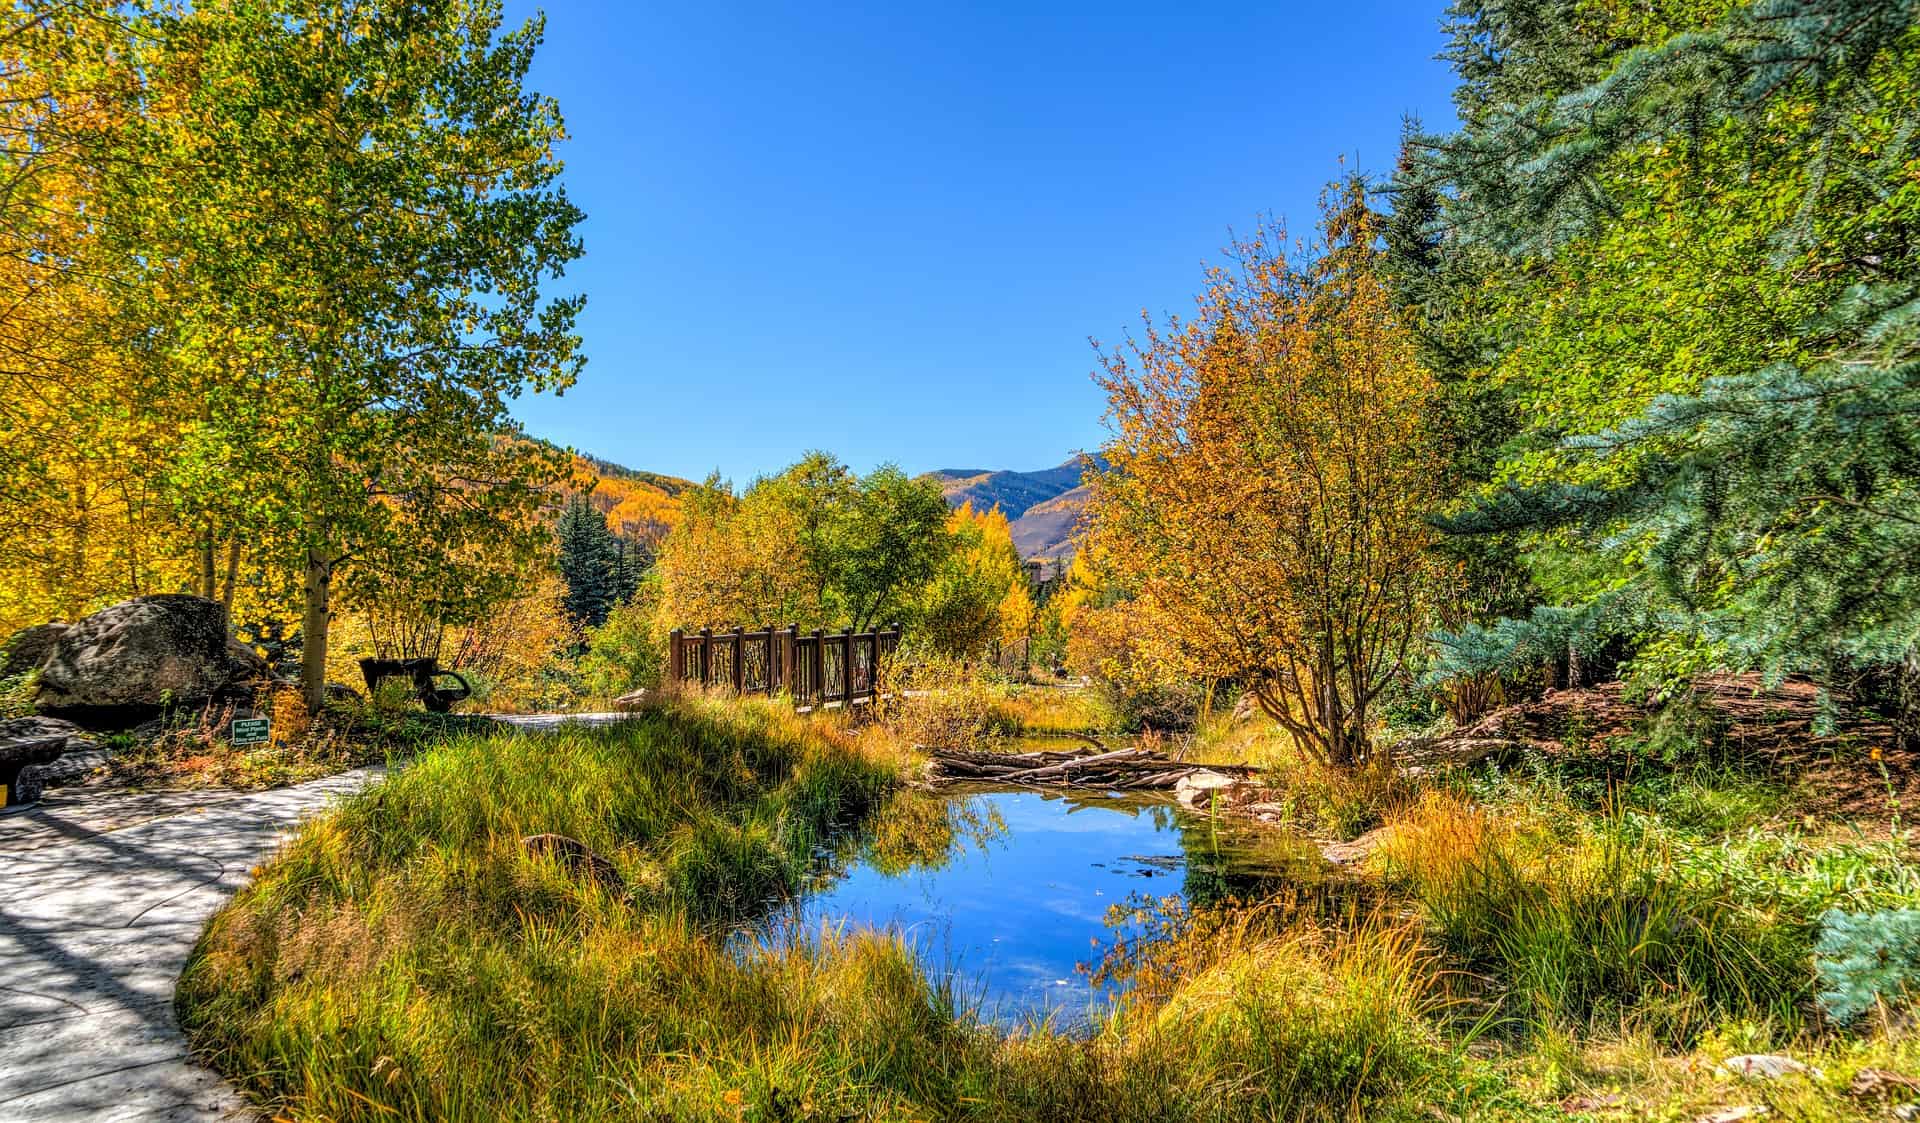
(1044, 507)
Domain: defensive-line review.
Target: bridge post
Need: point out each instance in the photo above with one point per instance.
(819, 690)
(676, 658)
(739, 660)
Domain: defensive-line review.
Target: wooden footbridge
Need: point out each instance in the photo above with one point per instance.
(817, 669)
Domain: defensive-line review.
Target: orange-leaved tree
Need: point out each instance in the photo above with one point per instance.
(1270, 474)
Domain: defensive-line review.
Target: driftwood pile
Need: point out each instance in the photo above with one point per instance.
(1117, 770)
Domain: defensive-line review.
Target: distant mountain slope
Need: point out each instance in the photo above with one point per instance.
(1012, 492)
(1046, 532)
(639, 505)
(1044, 506)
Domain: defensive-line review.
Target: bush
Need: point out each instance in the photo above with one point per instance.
(623, 654)
(1867, 961)
(942, 702)
(16, 695)
(1166, 706)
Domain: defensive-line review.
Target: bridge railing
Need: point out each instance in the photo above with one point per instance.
(817, 668)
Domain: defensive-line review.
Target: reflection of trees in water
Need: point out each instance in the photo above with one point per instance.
(922, 831)
(1230, 860)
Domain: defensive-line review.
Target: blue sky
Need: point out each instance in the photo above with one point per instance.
(888, 230)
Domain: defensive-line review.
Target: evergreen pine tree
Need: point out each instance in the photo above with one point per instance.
(588, 562)
(1770, 510)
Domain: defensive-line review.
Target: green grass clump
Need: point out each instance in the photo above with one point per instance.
(1585, 922)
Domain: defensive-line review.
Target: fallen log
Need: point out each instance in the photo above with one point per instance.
(1120, 769)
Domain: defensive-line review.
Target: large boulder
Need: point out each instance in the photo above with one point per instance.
(29, 649)
(126, 664)
(84, 757)
(26, 747)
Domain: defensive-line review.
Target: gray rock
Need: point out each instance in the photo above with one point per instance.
(125, 664)
(1357, 851)
(1199, 789)
(83, 753)
(28, 649)
(85, 757)
(1766, 1066)
(22, 727)
(641, 699)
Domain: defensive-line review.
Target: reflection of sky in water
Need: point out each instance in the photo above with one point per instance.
(1010, 919)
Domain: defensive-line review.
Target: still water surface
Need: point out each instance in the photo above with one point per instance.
(1008, 893)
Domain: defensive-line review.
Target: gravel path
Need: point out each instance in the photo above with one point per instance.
(101, 899)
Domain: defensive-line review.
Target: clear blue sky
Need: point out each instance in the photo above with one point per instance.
(888, 230)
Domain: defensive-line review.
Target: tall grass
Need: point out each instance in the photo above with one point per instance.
(406, 957)
(1580, 926)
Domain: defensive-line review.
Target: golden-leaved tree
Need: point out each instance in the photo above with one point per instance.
(1270, 474)
(86, 412)
(814, 545)
(365, 208)
(980, 595)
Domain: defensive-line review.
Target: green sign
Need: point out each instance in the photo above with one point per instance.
(251, 731)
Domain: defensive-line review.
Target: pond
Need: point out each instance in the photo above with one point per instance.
(1007, 893)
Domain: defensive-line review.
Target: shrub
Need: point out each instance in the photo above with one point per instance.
(624, 653)
(1867, 961)
(942, 702)
(16, 695)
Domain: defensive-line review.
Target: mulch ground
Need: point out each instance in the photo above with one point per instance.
(1745, 723)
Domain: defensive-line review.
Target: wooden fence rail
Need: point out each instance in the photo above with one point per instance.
(816, 668)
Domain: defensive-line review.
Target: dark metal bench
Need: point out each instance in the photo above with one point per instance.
(422, 673)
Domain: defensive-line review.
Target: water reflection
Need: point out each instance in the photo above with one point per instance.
(1009, 892)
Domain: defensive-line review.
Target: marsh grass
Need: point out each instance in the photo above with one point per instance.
(405, 957)
(1583, 922)
(1040, 711)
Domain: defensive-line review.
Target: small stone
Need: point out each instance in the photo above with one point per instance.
(1357, 851)
(1200, 788)
(578, 858)
(1765, 1066)
(1733, 1114)
(641, 699)
(1879, 1082)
